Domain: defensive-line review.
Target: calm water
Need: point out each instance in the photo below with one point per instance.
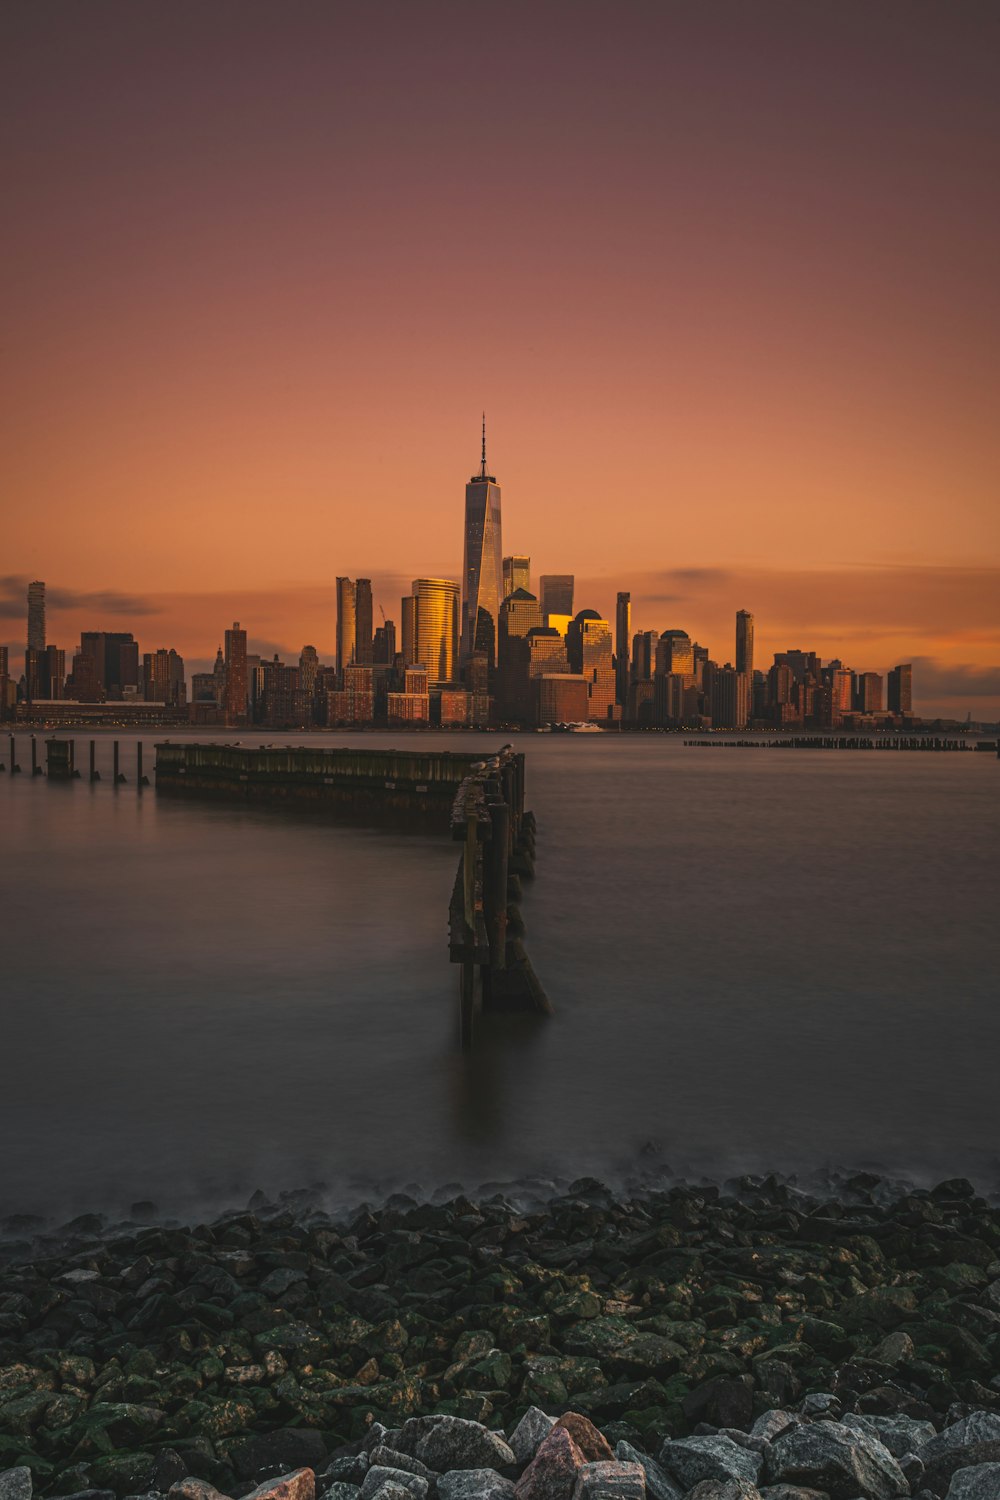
(757, 959)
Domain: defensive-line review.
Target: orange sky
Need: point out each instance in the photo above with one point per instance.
(723, 276)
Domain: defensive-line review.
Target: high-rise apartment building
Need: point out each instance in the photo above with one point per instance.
(868, 692)
(363, 622)
(623, 626)
(36, 616)
(900, 686)
(730, 698)
(744, 642)
(555, 592)
(516, 575)
(163, 678)
(588, 644)
(308, 667)
(482, 578)
(436, 628)
(236, 676)
(346, 623)
(408, 623)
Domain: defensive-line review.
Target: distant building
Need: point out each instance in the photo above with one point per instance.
(643, 664)
(408, 619)
(411, 707)
(546, 651)
(623, 627)
(203, 688)
(482, 579)
(555, 592)
(561, 698)
(744, 642)
(675, 699)
(900, 696)
(36, 616)
(235, 703)
(346, 623)
(674, 653)
(363, 621)
(730, 699)
(163, 678)
(519, 613)
(436, 628)
(868, 693)
(455, 706)
(516, 575)
(384, 645)
(588, 643)
(308, 667)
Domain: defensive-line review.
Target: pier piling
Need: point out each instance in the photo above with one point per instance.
(95, 774)
(117, 776)
(36, 769)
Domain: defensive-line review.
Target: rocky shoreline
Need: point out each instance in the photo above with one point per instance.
(717, 1343)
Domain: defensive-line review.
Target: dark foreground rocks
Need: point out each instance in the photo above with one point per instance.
(718, 1344)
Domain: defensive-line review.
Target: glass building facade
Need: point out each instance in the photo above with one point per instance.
(482, 567)
(436, 628)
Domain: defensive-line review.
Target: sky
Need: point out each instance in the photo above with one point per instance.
(722, 275)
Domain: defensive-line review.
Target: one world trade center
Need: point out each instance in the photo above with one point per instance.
(482, 569)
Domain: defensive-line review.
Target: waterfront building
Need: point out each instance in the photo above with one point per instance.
(674, 653)
(84, 686)
(35, 685)
(640, 709)
(308, 667)
(675, 699)
(203, 688)
(363, 630)
(5, 682)
(730, 698)
(623, 625)
(283, 704)
(482, 579)
(36, 616)
(868, 693)
(561, 698)
(900, 697)
(346, 623)
(555, 591)
(588, 642)
(519, 613)
(354, 703)
(436, 628)
(546, 651)
(235, 693)
(516, 575)
(455, 707)
(744, 642)
(477, 680)
(163, 678)
(413, 705)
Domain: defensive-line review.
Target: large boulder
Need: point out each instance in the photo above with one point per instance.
(899, 1433)
(552, 1473)
(592, 1444)
(529, 1434)
(690, 1460)
(981, 1482)
(378, 1475)
(15, 1484)
(446, 1442)
(659, 1485)
(475, 1484)
(608, 1480)
(978, 1427)
(299, 1485)
(841, 1460)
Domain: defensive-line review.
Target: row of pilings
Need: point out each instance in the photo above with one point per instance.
(923, 742)
(60, 761)
(486, 927)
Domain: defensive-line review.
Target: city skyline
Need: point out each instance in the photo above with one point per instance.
(724, 283)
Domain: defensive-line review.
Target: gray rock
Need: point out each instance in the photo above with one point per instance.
(981, 1482)
(980, 1427)
(475, 1484)
(841, 1460)
(771, 1424)
(191, 1488)
(349, 1469)
(913, 1467)
(820, 1404)
(456, 1443)
(724, 1489)
(690, 1460)
(792, 1492)
(659, 1486)
(900, 1434)
(533, 1427)
(393, 1491)
(378, 1475)
(15, 1484)
(391, 1458)
(299, 1485)
(339, 1490)
(893, 1349)
(610, 1480)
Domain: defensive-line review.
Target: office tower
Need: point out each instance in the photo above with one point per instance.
(5, 683)
(85, 684)
(546, 651)
(555, 590)
(675, 699)
(408, 619)
(561, 698)
(519, 613)
(128, 667)
(482, 582)
(219, 678)
(868, 693)
(346, 623)
(236, 676)
(363, 621)
(163, 678)
(436, 628)
(384, 644)
(588, 643)
(203, 687)
(674, 653)
(115, 654)
(516, 575)
(730, 698)
(308, 667)
(744, 642)
(36, 616)
(901, 689)
(477, 680)
(643, 664)
(623, 624)
(55, 672)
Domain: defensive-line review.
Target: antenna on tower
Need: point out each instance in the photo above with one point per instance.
(482, 471)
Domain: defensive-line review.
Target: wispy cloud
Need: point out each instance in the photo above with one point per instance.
(102, 602)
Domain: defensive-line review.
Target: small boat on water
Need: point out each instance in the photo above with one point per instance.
(582, 726)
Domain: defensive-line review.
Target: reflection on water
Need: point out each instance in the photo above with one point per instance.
(756, 960)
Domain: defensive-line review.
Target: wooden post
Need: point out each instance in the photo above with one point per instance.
(140, 780)
(72, 757)
(469, 872)
(36, 769)
(95, 774)
(495, 857)
(117, 777)
(14, 767)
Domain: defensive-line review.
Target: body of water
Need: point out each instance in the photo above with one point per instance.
(757, 961)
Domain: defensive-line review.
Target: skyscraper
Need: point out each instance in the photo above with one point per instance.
(36, 616)
(901, 689)
(744, 642)
(346, 622)
(588, 642)
(516, 575)
(236, 676)
(436, 628)
(363, 621)
(623, 624)
(408, 628)
(482, 582)
(555, 590)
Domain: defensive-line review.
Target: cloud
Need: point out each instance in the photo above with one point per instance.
(14, 602)
(955, 679)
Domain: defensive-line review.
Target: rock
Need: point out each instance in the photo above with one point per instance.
(378, 1475)
(281, 1451)
(981, 1482)
(893, 1349)
(725, 1401)
(900, 1434)
(610, 1480)
(475, 1484)
(393, 1491)
(591, 1443)
(15, 1484)
(940, 1469)
(193, 1489)
(340, 1490)
(553, 1471)
(791, 1492)
(844, 1462)
(980, 1427)
(724, 1489)
(820, 1404)
(391, 1458)
(299, 1485)
(457, 1443)
(690, 1460)
(659, 1485)
(529, 1433)
(885, 1306)
(771, 1424)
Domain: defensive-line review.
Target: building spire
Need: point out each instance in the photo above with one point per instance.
(482, 471)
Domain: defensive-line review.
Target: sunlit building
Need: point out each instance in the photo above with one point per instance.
(623, 625)
(163, 678)
(561, 698)
(588, 643)
(435, 626)
(555, 593)
(744, 642)
(346, 623)
(411, 707)
(519, 613)
(482, 575)
(674, 653)
(36, 616)
(516, 575)
(236, 676)
(308, 667)
(546, 651)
